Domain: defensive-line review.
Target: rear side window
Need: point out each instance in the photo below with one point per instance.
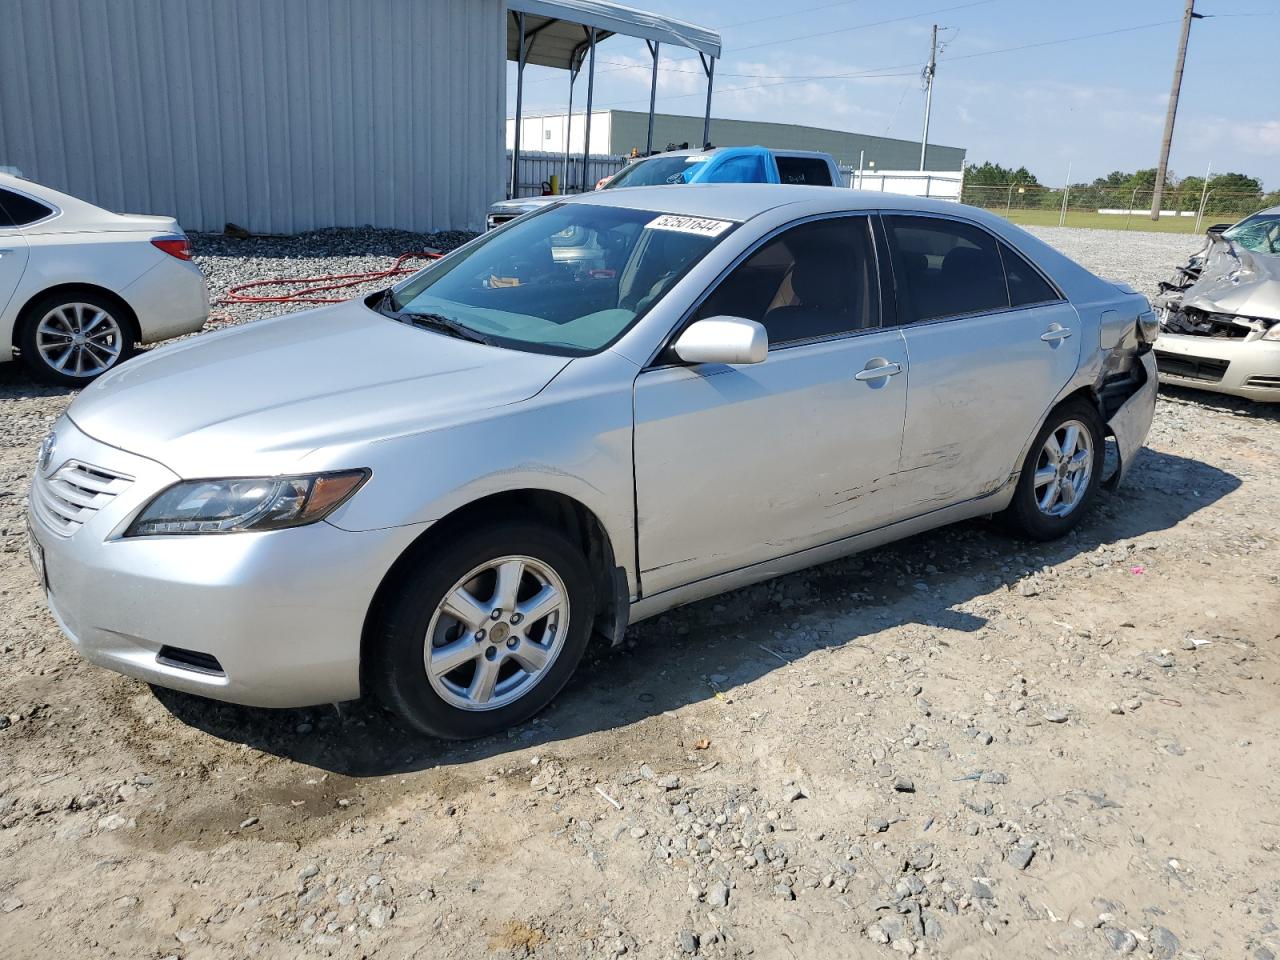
(17, 210)
(806, 170)
(744, 169)
(1026, 286)
(944, 268)
(817, 279)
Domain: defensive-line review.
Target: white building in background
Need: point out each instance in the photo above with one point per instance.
(618, 132)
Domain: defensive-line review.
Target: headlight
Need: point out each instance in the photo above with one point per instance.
(1273, 333)
(232, 506)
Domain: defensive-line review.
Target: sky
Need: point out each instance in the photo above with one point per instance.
(1087, 89)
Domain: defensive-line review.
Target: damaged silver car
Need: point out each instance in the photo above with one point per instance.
(1220, 315)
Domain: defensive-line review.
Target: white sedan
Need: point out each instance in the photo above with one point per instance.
(81, 287)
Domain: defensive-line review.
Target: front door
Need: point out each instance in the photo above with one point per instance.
(740, 464)
(991, 345)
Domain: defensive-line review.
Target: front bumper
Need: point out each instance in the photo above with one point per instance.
(280, 613)
(1234, 367)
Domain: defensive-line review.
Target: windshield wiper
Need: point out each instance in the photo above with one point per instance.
(438, 321)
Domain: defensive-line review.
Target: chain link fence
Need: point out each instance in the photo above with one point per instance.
(537, 168)
(1120, 208)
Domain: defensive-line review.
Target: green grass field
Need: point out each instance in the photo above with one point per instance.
(1110, 221)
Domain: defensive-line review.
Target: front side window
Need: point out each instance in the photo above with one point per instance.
(944, 268)
(568, 280)
(747, 168)
(17, 210)
(817, 279)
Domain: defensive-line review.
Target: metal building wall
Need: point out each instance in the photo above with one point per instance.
(278, 115)
(629, 128)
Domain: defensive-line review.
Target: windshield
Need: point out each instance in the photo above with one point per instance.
(568, 280)
(1258, 234)
(655, 171)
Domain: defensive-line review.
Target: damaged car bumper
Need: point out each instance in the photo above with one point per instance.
(1249, 369)
(1131, 423)
(1220, 315)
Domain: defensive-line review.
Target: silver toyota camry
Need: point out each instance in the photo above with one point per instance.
(615, 405)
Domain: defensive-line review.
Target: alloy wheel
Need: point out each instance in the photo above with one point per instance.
(1064, 469)
(496, 633)
(79, 340)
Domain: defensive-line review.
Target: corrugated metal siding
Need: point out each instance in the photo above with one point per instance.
(278, 115)
(628, 129)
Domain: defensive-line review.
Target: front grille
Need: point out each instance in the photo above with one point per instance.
(69, 497)
(1192, 368)
(1271, 383)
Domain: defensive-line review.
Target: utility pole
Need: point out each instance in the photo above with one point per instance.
(1188, 15)
(929, 71)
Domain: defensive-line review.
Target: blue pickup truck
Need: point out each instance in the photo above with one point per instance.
(714, 165)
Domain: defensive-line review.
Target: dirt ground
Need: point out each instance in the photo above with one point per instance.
(961, 745)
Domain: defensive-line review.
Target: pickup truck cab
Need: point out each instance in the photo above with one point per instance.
(713, 165)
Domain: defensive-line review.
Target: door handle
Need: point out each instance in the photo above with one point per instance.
(878, 371)
(3, 252)
(1055, 333)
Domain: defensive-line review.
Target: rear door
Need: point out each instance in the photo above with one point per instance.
(14, 210)
(740, 464)
(991, 344)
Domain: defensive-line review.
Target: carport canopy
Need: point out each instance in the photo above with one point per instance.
(564, 33)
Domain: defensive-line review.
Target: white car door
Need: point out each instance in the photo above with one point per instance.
(741, 464)
(991, 344)
(13, 258)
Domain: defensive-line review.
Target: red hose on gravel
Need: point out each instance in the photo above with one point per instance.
(321, 284)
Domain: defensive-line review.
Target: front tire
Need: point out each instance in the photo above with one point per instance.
(480, 632)
(1061, 474)
(72, 338)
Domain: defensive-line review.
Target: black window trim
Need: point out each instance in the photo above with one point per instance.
(1062, 298)
(657, 360)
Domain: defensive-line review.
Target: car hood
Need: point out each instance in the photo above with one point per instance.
(263, 397)
(1238, 282)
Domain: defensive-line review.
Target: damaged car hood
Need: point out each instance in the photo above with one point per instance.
(1238, 282)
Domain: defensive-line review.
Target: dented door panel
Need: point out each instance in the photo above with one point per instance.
(735, 465)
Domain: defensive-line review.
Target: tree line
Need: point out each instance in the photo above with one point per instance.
(990, 184)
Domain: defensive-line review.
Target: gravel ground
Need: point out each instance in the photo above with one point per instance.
(960, 745)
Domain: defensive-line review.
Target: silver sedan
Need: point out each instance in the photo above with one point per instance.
(615, 405)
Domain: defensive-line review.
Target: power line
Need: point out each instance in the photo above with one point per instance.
(875, 72)
(864, 26)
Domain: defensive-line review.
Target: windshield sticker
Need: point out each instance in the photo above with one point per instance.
(702, 226)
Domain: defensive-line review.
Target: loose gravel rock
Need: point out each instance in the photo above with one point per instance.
(958, 745)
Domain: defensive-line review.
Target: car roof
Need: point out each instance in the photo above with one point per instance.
(742, 201)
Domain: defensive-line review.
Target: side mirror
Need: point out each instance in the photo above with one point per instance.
(1217, 229)
(732, 340)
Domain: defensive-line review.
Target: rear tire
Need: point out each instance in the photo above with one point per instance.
(505, 611)
(71, 338)
(1061, 474)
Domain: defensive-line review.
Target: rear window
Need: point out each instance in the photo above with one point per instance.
(804, 170)
(1026, 286)
(17, 210)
